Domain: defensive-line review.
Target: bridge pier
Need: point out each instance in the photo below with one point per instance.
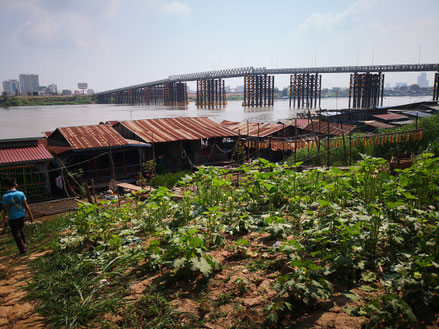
(258, 90)
(211, 92)
(175, 93)
(306, 89)
(436, 87)
(366, 90)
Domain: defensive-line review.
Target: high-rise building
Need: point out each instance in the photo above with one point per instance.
(11, 87)
(52, 89)
(7, 87)
(30, 84)
(422, 80)
(15, 86)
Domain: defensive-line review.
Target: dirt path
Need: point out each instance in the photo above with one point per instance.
(14, 311)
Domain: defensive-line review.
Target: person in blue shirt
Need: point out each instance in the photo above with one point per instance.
(15, 206)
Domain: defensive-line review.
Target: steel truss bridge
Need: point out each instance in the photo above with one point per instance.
(366, 85)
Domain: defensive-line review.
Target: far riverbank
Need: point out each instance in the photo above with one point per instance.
(12, 101)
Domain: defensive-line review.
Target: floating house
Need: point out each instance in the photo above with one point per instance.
(28, 162)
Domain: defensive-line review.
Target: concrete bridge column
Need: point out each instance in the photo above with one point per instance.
(305, 90)
(258, 90)
(366, 90)
(175, 93)
(211, 92)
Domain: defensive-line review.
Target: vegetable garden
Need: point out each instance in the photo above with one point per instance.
(263, 245)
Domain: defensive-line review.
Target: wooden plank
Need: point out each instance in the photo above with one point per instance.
(129, 186)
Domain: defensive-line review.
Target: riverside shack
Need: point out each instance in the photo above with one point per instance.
(95, 152)
(255, 129)
(178, 140)
(28, 162)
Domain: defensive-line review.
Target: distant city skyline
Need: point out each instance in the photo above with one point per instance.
(116, 43)
(28, 84)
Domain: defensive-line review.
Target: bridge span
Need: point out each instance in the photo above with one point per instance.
(366, 86)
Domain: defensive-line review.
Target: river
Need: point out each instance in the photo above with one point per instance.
(31, 121)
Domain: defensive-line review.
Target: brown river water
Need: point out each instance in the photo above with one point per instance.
(16, 122)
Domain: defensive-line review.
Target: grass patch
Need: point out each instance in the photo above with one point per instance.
(40, 236)
(151, 311)
(72, 289)
(169, 180)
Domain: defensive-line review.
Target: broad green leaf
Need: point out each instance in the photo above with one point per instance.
(410, 196)
(367, 288)
(352, 296)
(394, 204)
(201, 265)
(196, 242)
(368, 277)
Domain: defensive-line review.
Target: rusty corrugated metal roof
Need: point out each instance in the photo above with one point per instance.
(321, 127)
(390, 116)
(24, 154)
(251, 128)
(176, 129)
(377, 124)
(53, 147)
(91, 137)
(134, 142)
(299, 122)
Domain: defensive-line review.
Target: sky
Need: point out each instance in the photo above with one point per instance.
(117, 43)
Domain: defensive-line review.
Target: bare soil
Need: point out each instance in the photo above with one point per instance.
(15, 312)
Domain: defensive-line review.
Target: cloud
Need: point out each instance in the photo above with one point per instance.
(176, 8)
(324, 21)
(53, 24)
(169, 7)
(113, 8)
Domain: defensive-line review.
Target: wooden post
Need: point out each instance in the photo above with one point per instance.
(140, 161)
(118, 197)
(417, 120)
(329, 147)
(153, 154)
(350, 149)
(248, 148)
(87, 193)
(344, 149)
(93, 189)
(295, 127)
(238, 144)
(113, 170)
(259, 149)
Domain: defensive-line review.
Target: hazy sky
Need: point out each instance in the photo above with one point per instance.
(115, 43)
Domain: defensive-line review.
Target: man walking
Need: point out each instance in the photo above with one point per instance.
(15, 207)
